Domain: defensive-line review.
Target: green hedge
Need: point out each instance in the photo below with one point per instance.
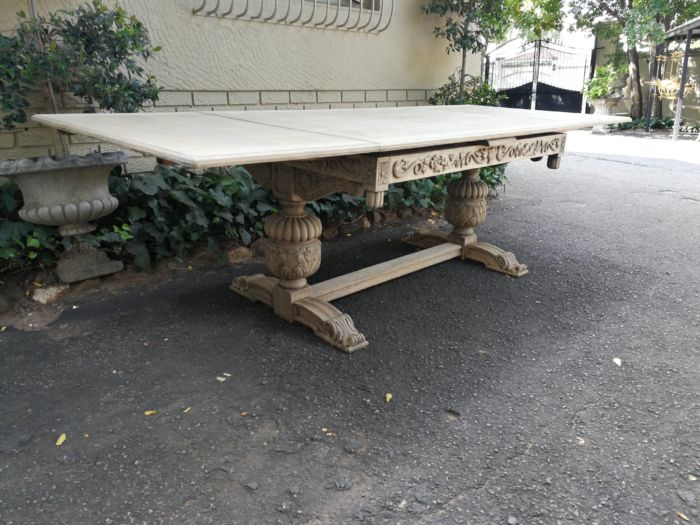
(173, 211)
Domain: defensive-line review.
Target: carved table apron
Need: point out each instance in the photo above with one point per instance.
(305, 155)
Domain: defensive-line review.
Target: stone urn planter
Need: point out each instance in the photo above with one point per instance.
(603, 106)
(69, 193)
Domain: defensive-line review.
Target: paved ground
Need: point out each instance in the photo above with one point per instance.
(507, 404)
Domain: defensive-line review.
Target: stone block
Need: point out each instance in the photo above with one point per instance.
(415, 94)
(175, 98)
(34, 137)
(396, 95)
(386, 104)
(24, 153)
(329, 96)
(243, 97)
(274, 97)
(210, 98)
(82, 139)
(353, 96)
(342, 105)
(261, 107)
(140, 165)
(361, 105)
(303, 97)
(375, 96)
(7, 139)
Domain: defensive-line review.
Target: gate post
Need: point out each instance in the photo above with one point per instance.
(535, 73)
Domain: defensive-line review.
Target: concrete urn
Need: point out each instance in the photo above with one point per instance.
(603, 106)
(69, 193)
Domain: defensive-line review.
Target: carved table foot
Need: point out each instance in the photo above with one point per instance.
(330, 324)
(327, 322)
(494, 258)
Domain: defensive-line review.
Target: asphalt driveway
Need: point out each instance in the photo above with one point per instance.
(569, 396)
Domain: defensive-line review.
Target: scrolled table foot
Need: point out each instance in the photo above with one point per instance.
(495, 258)
(330, 324)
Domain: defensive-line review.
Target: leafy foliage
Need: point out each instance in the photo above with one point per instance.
(468, 25)
(22, 243)
(172, 211)
(534, 18)
(474, 92)
(607, 80)
(655, 123)
(94, 52)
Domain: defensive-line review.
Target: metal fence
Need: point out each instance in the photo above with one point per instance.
(541, 75)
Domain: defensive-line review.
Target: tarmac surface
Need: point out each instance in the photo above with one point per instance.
(568, 396)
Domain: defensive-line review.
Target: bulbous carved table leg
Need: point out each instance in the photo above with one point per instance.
(292, 255)
(465, 210)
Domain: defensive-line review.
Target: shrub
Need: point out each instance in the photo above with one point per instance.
(475, 92)
(608, 80)
(94, 52)
(172, 211)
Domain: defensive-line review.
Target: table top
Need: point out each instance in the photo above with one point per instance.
(224, 138)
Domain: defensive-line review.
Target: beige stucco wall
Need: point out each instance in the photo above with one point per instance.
(209, 63)
(206, 53)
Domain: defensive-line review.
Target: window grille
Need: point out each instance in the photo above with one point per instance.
(367, 16)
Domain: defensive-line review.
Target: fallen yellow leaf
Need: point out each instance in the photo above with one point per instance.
(692, 478)
(3, 328)
(617, 361)
(227, 374)
(187, 410)
(61, 440)
(146, 344)
(244, 413)
(388, 397)
(37, 284)
(682, 516)
(150, 412)
(580, 441)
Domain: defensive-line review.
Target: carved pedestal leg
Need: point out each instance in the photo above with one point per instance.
(293, 254)
(466, 209)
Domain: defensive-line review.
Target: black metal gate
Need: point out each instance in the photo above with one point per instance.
(551, 75)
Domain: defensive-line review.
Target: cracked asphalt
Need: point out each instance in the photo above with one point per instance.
(508, 406)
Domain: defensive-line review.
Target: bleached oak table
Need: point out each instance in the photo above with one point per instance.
(304, 155)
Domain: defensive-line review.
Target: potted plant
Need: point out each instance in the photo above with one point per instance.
(604, 90)
(95, 54)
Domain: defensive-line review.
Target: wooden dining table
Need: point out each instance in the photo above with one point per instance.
(303, 155)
